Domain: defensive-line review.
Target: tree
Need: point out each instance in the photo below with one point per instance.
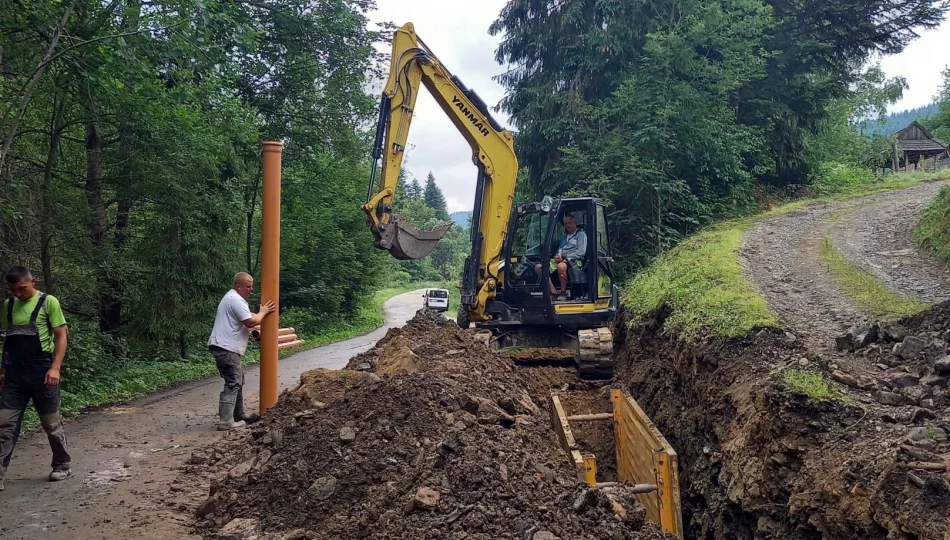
(940, 123)
(434, 199)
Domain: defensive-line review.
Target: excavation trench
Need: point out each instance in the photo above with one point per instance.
(759, 461)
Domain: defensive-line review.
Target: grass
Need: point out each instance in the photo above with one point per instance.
(131, 380)
(865, 288)
(932, 231)
(701, 279)
(810, 383)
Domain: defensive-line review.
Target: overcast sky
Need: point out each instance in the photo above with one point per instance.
(460, 40)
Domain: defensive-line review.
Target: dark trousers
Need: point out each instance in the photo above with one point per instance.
(230, 369)
(20, 385)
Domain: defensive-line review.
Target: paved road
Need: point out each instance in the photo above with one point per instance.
(124, 457)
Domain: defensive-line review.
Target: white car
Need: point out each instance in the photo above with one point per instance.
(436, 299)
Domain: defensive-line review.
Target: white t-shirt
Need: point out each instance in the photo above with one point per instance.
(229, 331)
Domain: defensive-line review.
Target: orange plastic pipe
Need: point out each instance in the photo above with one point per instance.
(270, 272)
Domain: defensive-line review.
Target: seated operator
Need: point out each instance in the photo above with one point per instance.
(572, 250)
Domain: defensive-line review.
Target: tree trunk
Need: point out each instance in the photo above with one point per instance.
(46, 228)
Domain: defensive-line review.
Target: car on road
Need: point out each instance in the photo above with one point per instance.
(436, 299)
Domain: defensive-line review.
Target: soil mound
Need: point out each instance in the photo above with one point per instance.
(758, 460)
(439, 438)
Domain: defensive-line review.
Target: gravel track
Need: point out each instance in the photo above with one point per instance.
(780, 257)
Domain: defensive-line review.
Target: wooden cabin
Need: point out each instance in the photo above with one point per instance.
(914, 143)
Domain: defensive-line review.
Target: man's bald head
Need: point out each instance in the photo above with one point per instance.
(244, 284)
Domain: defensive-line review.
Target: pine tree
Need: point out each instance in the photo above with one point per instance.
(414, 190)
(434, 198)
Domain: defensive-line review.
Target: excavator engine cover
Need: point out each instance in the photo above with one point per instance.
(405, 242)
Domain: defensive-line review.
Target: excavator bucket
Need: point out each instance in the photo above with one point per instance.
(406, 243)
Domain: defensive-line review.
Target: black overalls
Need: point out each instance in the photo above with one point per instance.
(25, 367)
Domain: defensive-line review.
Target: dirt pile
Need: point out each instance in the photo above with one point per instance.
(438, 438)
(758, 460)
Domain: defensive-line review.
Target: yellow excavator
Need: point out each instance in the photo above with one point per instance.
(506, 284)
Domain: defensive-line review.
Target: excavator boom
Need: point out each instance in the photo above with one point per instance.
(413, 65)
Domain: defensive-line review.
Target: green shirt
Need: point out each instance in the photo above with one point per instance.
(50, 316)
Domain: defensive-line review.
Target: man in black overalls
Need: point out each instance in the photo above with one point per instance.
(33, 352)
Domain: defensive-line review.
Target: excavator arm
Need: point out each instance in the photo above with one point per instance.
(492, 153)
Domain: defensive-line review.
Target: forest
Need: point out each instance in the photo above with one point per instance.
(131, 129)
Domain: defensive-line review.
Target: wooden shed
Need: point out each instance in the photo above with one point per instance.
(913, 143)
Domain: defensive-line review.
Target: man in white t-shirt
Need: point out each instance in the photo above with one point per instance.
(227, 343)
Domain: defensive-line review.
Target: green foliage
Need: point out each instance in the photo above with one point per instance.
(897, 121)
(701, 282)
(130, 176)
(812, 384)
(939, 124)
(932, 230)
(865, 288)
(673, 111)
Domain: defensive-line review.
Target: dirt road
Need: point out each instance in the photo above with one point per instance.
(781, 257)
(125, 457)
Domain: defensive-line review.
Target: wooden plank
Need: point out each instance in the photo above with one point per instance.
(566, 437)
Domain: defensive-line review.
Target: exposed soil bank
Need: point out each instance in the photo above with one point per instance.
(757, 461)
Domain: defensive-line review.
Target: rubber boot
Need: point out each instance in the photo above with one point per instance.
(239, 411)
(226, 413)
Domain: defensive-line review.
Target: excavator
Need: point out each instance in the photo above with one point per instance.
(505, 285)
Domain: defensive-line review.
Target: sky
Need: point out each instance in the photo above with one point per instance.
(457, 32)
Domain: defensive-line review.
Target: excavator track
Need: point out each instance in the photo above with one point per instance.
(595, 348)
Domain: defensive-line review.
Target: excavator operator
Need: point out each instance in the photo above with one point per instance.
(570, 254)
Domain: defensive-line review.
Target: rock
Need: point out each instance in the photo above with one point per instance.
(424, 499)
(363, 367)
(207, 507)
(469, 404)
(892, 332)
(898, 381)
(915, 394)
(910, 348)
(888, 398)
(583, 500)
(386, 518)
(845, 378)
(503, 472)
(927, 403)
(803, 362)
(347, 434)
(882, 367)
(939, 435)
(943, 365)
(790, 337)
(918, 434)
(920, 415)
(919, 454)
(296, 534)
(239, 529)
(277, 436)
(449, 419)
(508, 405)
(545, 472)
(242, 468)
(263, 458)
(857, 337)
(323, 487)
(939, 381)
(544, 535)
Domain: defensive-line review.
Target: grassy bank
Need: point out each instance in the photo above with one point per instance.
(701, 279)
(91, 381)
(932, 231)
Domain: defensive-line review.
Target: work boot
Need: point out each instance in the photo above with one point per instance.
(59, 473)
(226, 413)
(239, 411)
